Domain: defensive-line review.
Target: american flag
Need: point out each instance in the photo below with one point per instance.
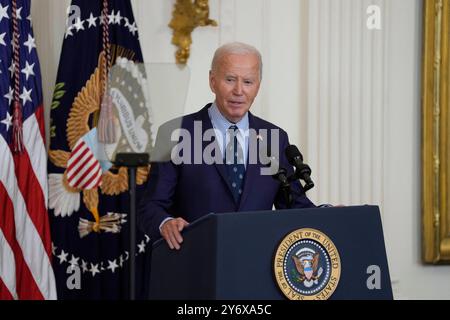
(25, 246)
(83, 169)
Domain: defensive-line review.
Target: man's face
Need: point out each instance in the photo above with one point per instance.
(236, 83)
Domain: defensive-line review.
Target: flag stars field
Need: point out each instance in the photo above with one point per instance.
(12, 69)
(2, 39)
(117, 18)
(91, 21)
(30, 43)
(62, 256)
(68, 32)
(112, 265)
(74, 260)
(54, 249)
(141, 246)
(3, 12)
(28, 70)
(98, 268)
(113, 19)
(94, 269)
(79, 24)
(84, 266)
(18, 11)
(26, 96)
(9, 95)
(7, 121)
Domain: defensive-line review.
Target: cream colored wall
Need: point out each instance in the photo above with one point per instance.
(402, 154)
(256, 28)
(281, 30)
(362, 105)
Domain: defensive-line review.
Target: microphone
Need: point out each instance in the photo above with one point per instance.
(281, 176)
(273, 169)
(302, 170)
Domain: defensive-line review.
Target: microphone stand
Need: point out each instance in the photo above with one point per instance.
(285, 186)
(303, 173)
(285, 183)
(132, 161)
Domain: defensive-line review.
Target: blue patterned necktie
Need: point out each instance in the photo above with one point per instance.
(234, 159)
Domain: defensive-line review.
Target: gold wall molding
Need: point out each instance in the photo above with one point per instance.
(187, 16)
(435, 131)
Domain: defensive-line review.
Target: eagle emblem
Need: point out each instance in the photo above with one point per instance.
(303, 265)
(306, 263)
(64, 194)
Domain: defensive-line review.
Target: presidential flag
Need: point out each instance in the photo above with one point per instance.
(88, 196)
(25, 246)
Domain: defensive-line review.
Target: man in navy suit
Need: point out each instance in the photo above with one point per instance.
(188, 185)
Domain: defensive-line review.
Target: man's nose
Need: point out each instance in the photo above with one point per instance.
(237, 90)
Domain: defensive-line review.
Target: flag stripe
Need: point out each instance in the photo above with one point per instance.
(76, 162)
(89, 174)
(39, 114)
(24, 284)
(34, 143)
(77, 147)
(25, 245)
(94, 181)
(34, 198)
(30, 242)
(7, 261)
(4, 292)
(79, 152)
(80, 179)
(84, 165)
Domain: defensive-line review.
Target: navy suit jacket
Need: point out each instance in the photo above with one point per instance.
(191, 191)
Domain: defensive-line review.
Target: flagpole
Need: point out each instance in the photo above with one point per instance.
(132, 190)
(132, 161)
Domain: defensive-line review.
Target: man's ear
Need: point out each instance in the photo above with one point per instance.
(212, 81)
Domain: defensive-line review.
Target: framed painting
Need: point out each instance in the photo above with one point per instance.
(435, 133)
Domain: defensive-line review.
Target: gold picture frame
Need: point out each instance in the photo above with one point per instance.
(435, 133)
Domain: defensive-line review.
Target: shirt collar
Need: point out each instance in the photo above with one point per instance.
(221, 123)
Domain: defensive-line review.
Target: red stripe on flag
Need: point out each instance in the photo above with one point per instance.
(34, 198)
(77, 160)
(25, 284)
(39, 114)
(74, 178)
(94, 176)
(4, 292)
(8, 228)
(89, 170)
(78, 146)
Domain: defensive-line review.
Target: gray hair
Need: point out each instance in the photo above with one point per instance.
(236, 48)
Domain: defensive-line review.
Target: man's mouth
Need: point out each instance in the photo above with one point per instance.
(236, 103)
